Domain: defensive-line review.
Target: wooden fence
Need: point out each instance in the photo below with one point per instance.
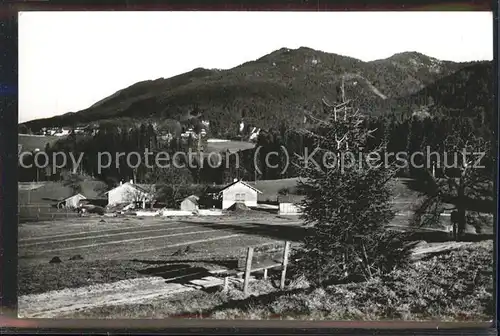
(266, 261)
(38, 212)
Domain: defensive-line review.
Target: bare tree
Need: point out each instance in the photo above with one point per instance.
(464, 180)
(139, 194)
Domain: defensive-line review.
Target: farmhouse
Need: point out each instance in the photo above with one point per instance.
(289, 204)
(129, 193)
(190, 203)
(239, 192)
(71, 202)
(55, 194)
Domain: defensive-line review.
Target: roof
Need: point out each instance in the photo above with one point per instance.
(145, 188)
(67, 198)
(193, 198)
(78, 194)
(245, 184)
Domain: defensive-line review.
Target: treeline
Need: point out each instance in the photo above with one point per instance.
(408, 136)
(105, 156)
(273, 157)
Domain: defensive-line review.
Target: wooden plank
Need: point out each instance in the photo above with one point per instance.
(285, 263)
(257, 269)
(207, 282)
(248, 270)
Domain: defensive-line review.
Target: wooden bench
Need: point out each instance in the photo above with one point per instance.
(264, 264)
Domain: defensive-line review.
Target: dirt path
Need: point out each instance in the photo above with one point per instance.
(57, 303)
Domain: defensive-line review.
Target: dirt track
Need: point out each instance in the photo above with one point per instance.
(56, 303)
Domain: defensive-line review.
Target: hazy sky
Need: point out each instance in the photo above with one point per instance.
(70, 60)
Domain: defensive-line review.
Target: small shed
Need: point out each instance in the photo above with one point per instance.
(190, 203)
(239, 192)
(290, 204)
(71, 202)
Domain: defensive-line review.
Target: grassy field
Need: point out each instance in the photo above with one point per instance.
(31, 142)
(455, 286)
(270, 188)
(121, 248)
(404, 196)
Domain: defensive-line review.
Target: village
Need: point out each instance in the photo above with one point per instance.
(275, 177)
(69, 235)
(140, 198)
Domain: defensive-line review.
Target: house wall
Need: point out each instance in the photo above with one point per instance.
(125, 194)
(168, 213)
(229, 195)
(187, 205)
(289, 209)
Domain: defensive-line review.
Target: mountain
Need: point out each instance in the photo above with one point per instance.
(467, 92)
(276, 88)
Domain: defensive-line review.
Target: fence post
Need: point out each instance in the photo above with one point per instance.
(248, 269)
(285, 263)
(265, 274)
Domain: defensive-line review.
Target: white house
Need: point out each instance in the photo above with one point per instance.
(289, 204)
(71, 202)
(130, 192)
(240, 192)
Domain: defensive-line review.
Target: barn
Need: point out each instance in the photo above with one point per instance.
(289, 204)
(71, 202)
(239, 192)
(129, 192)
(190, 203)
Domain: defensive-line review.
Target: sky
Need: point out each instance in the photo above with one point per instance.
(70, 60)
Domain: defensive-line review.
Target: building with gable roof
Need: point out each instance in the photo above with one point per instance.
(239, 192)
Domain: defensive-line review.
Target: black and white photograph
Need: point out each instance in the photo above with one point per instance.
(328, 166)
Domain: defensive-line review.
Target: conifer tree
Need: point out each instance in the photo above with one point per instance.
(347, 204)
